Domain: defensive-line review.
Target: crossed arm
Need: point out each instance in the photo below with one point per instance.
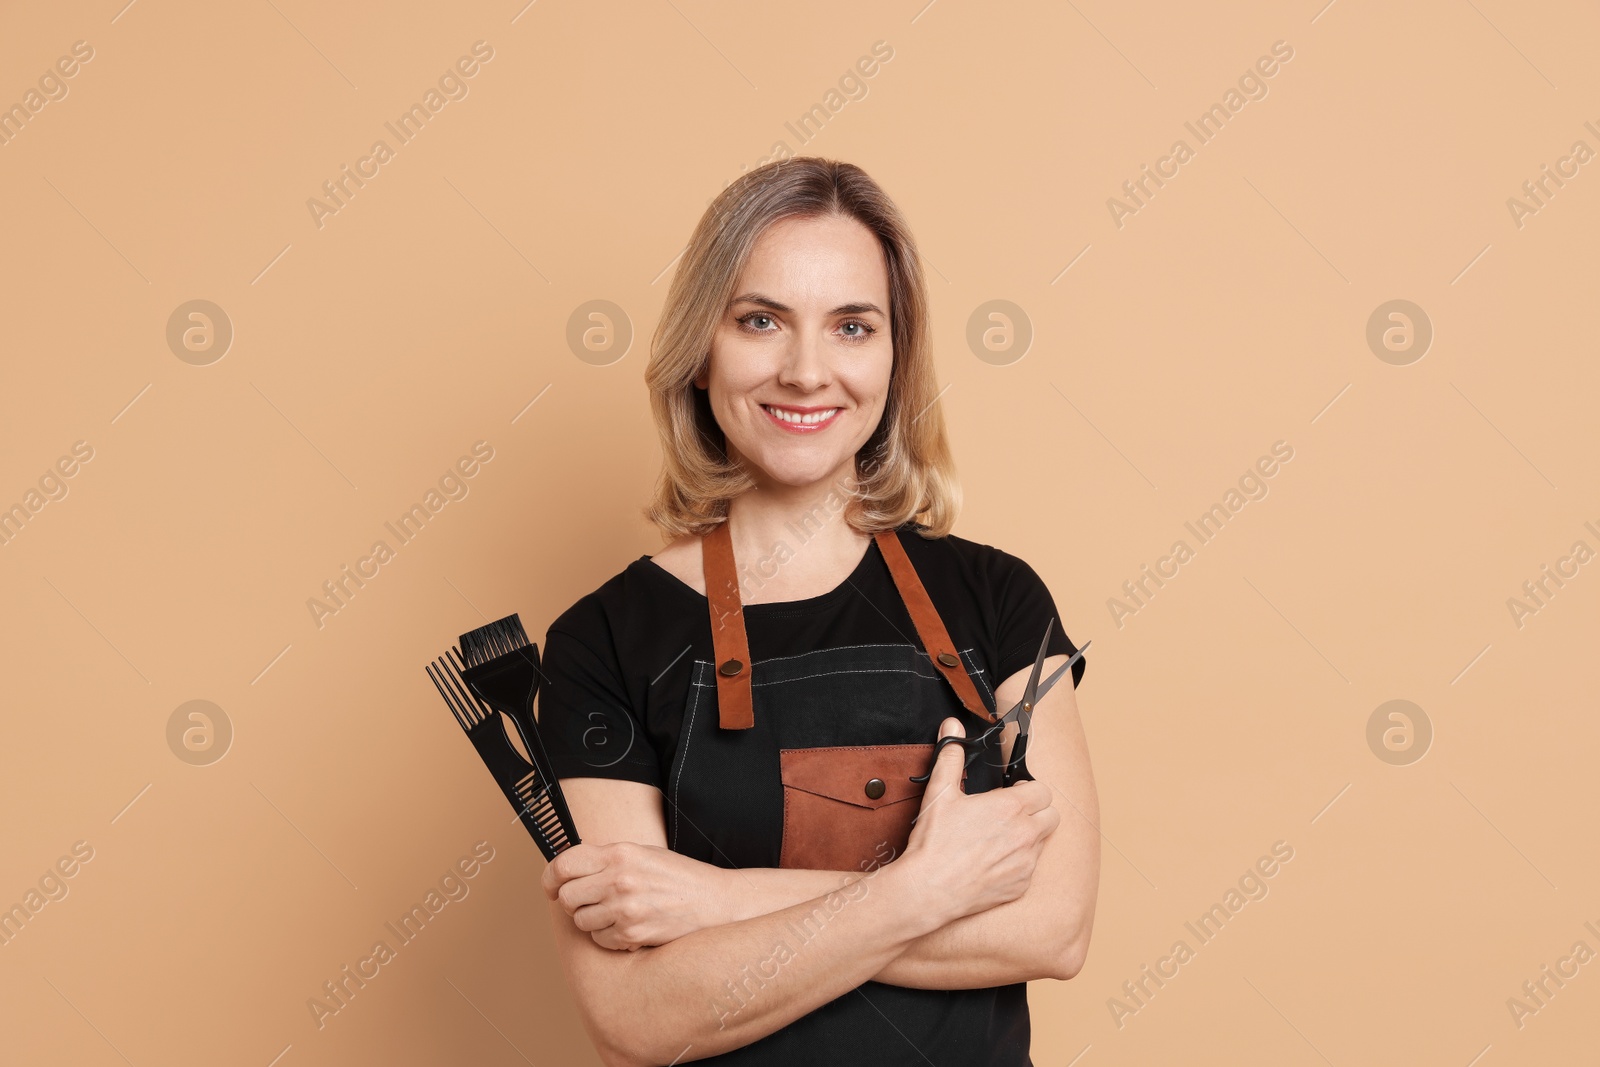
(1044, 933)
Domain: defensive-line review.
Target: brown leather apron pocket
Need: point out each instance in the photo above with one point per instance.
(832, 821)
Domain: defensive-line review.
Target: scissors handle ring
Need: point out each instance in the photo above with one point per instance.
(972, 745)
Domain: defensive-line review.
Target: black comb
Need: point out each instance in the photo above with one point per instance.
(501, 673)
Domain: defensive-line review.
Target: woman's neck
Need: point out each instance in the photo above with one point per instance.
(796, 538)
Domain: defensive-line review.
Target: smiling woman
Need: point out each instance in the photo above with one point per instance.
(779, 737)
(795, 230)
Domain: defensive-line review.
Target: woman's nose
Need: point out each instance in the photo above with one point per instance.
(803, 365)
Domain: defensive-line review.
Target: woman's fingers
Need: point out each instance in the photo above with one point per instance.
(576, 862)
(580, 891)
(1035, 795)
(610, 939)
(602, 922)
(1049, 818)
(593, 917)
(948, 766)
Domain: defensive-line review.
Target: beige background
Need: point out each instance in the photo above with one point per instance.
(1229, 312)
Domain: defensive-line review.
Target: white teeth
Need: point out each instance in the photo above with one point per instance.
(805, 420)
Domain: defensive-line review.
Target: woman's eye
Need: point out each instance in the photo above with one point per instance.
(760, 322)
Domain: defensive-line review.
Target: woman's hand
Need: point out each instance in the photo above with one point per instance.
(627, 895)
(977, 851)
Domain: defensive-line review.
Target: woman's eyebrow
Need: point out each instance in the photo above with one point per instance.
(767, 302)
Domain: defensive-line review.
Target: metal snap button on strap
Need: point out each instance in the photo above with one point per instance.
(875, 788)
(947, 659)
(731, 668)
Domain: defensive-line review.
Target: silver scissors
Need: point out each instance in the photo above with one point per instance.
(1016, 769)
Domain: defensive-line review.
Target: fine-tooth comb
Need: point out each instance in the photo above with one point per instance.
(498, 670)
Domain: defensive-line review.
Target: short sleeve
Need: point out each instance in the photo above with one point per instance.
(1025, 608)
(586, 723)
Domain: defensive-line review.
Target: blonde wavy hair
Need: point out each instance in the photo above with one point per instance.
(904, 472)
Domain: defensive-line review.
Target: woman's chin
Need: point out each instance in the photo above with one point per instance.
(798, 476)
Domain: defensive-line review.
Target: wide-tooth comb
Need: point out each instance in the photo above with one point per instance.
(532, 790)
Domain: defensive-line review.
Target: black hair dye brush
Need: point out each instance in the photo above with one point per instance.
(497, 670)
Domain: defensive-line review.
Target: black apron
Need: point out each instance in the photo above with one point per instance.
(831, 738)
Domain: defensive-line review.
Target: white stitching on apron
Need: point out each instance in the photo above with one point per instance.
(978, 673)
(862, 670)
(835, 648)
(683, 760)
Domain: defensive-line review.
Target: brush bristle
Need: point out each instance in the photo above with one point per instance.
(496, 639)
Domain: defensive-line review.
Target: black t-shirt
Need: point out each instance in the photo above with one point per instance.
(618, 665)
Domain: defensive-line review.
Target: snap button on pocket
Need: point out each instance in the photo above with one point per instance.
(875, 788)
(948, 660)
(731, 668)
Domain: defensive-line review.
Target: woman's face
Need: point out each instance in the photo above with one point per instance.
(800, 363)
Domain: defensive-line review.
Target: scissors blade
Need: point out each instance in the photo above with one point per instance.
(1017, 714)
(1030, 694)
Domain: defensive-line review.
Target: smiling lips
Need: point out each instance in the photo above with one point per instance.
(801, 420)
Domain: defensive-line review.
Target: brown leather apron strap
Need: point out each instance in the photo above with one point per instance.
(935, 639)
(732, 646)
